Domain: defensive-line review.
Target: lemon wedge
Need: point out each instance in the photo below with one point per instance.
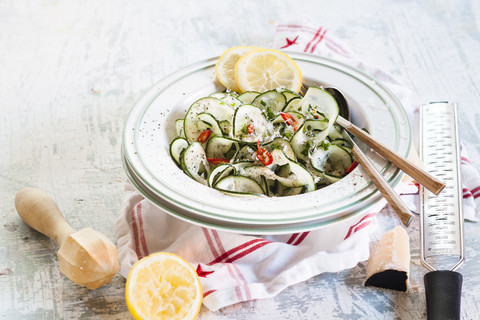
(263, 70)
(163, 286)
(225, 66)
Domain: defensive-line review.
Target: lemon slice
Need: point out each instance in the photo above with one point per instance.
(264, 70)
(225, 67)
(163, 286)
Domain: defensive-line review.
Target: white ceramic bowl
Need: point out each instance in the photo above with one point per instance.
(149, 129)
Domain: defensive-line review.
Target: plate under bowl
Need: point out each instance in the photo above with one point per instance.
(150, 127)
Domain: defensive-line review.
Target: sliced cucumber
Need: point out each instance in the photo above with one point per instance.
(289, 94)
(321, 101)
(310, 134)
(226, 127)
(272, 184)
(177, 146)
(283, 170)
(265, 187)
(218, 95)
(239, 184)
(179, 128)
(300, 176)
(335, 132)
(194, 162)
(298, 132)
(219, 172)
(248, 97)
(297, 120)
(257, 172)
(260, 173)
(343, 144)
(284, 145)
(318, 102)
(332, 161)
(271, 100)
(293, 191)
(231, 98)
(293, 105)
(221, 148)
(211, 122)
(194, 126)
(249, 115)
(245, 154)
(329, 179)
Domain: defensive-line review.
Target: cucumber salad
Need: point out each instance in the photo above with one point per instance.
(275, 143)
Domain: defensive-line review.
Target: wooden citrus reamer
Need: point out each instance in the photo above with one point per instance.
(86, 257)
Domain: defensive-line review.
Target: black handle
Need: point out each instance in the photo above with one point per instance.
(443, 290)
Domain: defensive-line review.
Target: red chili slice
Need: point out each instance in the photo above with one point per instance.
(204, 136)
(263, 155)
(216, 161)
(352, 166)
(289, 120)
(250, 129)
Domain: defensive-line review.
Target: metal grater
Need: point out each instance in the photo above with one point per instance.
(441, 221)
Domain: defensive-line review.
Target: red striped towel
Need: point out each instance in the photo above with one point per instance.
(235, 267)
(471, 190)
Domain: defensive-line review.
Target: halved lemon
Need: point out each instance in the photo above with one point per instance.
(264, 70)
(163, 286)
(225, 67)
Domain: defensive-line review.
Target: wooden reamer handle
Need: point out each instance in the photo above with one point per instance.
(41, 213)
(86, 257)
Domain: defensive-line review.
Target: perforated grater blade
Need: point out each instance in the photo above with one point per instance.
(441, 221)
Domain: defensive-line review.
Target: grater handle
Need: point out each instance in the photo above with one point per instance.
(443, 290)
(420, 175)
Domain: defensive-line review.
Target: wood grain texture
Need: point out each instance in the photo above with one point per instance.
(413, 170)
(40, 212)
(393, 199)
(71, 71)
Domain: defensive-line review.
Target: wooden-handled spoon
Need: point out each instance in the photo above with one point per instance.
(86, 257)
(388, 193)
(420, 175)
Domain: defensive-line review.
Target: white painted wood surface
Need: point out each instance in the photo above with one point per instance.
(70, 72)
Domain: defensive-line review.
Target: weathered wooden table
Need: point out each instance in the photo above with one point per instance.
(70, 72)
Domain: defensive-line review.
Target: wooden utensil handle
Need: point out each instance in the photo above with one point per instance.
(388, 193)
(41, 213)
(421, 176)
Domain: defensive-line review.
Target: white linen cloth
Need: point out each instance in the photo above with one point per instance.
(235, 267)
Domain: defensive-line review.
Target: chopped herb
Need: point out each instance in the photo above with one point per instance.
(244, 128)
(324, 145)
(276, 145)
(270, 114)
(306, 150)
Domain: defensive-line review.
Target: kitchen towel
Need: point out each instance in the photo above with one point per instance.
(235, 267)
